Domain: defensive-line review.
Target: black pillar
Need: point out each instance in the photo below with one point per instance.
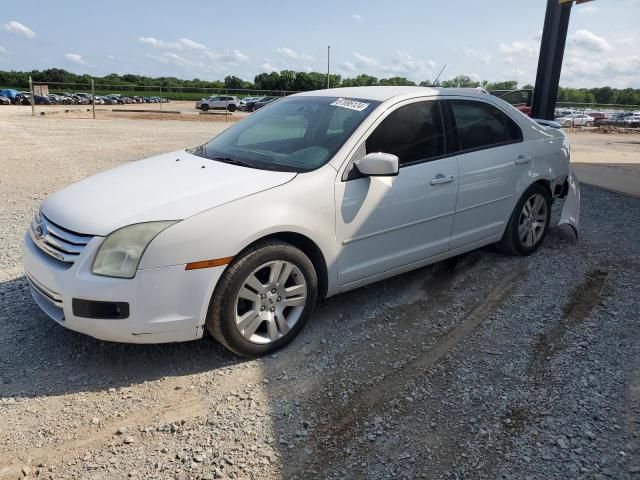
(554, 37)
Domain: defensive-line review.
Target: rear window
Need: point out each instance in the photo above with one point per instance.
(481, 125)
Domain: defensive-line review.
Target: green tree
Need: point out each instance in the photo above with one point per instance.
(400, 81)
(232, 82)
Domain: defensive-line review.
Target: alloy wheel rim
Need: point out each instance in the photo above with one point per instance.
(270, 302)
(533, 220)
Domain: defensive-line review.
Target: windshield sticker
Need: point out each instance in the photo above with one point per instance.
(350, 104)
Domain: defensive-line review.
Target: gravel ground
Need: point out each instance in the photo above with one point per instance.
(484, 366)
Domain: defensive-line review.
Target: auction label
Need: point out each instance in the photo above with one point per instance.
(350, 104)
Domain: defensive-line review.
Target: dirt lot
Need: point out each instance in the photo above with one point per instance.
(608, 160)
(481, 367)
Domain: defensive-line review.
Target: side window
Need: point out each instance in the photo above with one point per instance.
(480, 124)
(413, 132)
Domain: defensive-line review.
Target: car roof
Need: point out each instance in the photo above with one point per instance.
(382, 93)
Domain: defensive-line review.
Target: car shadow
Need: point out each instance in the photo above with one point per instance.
(41, 358)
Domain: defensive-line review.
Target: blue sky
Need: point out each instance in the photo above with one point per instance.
(491, 39)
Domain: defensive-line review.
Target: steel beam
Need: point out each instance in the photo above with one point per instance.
(554, 38)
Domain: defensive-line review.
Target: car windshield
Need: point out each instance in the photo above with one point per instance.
(296, 134)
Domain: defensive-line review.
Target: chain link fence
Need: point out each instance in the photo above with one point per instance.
(98, 97)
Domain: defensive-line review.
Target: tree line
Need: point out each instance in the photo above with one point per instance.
(289, 80)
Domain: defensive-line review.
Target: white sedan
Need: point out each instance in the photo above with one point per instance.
(313, 195)
(577, 120)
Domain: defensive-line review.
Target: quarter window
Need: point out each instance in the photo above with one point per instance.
(481, 125)
(413, 132)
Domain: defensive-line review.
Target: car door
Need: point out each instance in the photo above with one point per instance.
(386, 223)
(492, 159)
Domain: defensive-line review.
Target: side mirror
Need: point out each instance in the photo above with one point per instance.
(378, 164)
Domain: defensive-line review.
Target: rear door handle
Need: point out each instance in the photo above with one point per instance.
(440, 179)
(523, 159)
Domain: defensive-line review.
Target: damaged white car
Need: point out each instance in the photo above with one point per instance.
(313, 195)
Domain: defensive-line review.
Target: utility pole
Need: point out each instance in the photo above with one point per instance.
(328, 62)
(33, 100)
(93, 98)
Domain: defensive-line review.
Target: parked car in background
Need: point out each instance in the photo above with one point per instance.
(219, 102)
(326, 191)
(633, 120)
(576, 119)
(4, 100)
(261, 103)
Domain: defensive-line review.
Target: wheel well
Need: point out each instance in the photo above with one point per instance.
(546, 184)
(311, 250)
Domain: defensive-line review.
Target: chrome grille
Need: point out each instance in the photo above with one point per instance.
(57, 241)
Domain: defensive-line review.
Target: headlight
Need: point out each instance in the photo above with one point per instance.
(121, 252)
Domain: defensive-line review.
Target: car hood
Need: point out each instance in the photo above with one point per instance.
(172, 186)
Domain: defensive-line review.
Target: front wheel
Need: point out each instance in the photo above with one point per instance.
(529, 222)
(263, 299)
(589, 124)
(204, 107)
(231, 108)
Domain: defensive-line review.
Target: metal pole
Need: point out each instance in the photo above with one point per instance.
(160, 102)
(93, 99)
(554, 37)
(328, 62)
(33, 100)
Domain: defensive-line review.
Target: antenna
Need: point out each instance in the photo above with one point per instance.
(435, 82)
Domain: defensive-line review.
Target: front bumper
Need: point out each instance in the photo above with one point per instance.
(571, 210)
(167, 304)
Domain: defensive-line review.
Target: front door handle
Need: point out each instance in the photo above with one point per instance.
(440, 179)
(523, 159)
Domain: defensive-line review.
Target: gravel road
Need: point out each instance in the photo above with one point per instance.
(481, 367)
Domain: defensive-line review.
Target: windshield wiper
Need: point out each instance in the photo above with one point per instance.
(232, 161)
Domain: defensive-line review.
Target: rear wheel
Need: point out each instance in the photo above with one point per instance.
(263, 300)
(529, 222)
(231, 108)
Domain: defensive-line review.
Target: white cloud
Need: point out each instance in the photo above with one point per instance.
(176, 59)
(349, 66)
(154, 42)
(293, 55)
(478, 54)
(518, 48)
(158, 58)
(624, 40)
(111, 57)
(19, 29)
(75, 58)
(405, 64)
(2, 49)
(588, 9)
(267, 67)
(231, 57)
(364, 61)
(188, 43)
(589, 41)
(357, 17)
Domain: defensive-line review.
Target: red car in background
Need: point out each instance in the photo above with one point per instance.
(521, 99)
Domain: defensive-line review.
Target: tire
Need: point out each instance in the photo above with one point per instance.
(232, 108)
(589, 124)
(204, 107)
(269, 321)
(512, 242)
